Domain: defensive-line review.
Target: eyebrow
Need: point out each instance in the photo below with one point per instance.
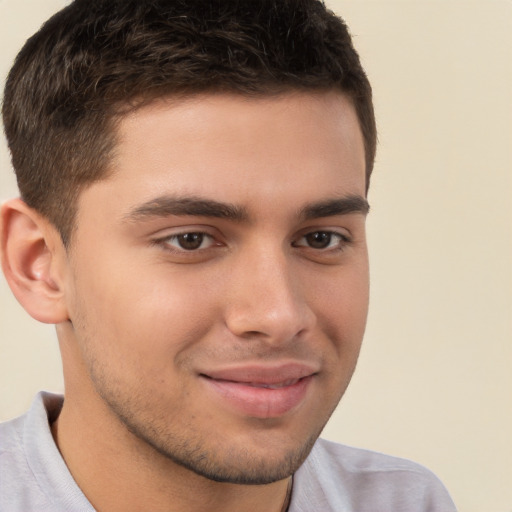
(336, 206)
(165, 206)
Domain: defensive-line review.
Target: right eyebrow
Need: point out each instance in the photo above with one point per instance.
(163, 206)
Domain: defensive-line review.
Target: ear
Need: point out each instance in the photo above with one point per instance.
(33, 260)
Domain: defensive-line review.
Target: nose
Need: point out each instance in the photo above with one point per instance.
(267, 299)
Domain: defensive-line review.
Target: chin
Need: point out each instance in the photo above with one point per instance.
(242, 466)
(222, 459)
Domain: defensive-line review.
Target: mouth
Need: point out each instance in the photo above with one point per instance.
(260, 392)
(265, 385)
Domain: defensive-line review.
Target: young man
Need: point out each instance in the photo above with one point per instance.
(193, 181)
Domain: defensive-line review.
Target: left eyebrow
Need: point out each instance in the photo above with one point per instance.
(336, 206)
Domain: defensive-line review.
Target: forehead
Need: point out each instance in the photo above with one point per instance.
(236, 149)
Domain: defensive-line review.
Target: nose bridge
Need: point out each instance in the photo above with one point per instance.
(267, 300)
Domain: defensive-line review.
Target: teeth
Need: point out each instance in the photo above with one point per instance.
(273, 386)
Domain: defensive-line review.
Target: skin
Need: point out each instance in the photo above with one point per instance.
(270, 284)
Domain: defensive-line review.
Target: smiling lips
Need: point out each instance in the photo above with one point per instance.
(261, 392)
(272, 386)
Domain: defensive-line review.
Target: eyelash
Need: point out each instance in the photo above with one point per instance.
(342, 241)
(166, 241)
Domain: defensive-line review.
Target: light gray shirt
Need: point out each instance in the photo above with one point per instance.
(334, 478)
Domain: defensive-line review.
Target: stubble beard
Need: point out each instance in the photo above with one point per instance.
(217, 460)
(204, 451)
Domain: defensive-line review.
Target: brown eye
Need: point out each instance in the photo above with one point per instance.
(323, 240)
(190, 246)
(190, 241)
(319, 239)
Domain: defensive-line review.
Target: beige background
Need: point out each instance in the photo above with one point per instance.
(434, 382)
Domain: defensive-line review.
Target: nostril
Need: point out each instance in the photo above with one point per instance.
(251, 334)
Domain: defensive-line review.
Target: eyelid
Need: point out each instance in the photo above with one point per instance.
(163, 239)
(175, 238)
(181, 229)
(336, 243)
(341, 233)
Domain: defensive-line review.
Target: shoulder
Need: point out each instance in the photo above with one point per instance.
(18, 487)
(335, 476)
(11, 434)
(33, 475)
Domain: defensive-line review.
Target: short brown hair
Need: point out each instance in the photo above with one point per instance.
(93, 57)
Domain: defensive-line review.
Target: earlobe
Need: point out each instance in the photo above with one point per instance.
(32, 260)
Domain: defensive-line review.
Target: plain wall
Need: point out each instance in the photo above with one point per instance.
(434, 381)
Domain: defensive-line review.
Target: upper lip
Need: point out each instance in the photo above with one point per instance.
(263, 374)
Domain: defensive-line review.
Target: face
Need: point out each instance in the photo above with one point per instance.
(218, 279)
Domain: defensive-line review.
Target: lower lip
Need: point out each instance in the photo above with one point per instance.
(260, 402)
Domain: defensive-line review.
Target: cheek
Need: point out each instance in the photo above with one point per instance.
(341, 309)
(147, 313)
(342, 301)
(345, 309)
